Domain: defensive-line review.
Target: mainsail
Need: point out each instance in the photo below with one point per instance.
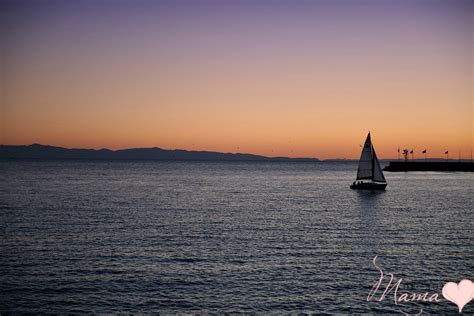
(369, 166)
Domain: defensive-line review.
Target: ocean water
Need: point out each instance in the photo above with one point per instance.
(148, 236)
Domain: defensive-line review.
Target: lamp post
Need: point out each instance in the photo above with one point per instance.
(406, 154)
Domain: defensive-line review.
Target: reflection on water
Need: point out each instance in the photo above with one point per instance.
(224, 237)
(369, 199)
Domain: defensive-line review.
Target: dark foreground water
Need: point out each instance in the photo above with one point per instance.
(226, 237)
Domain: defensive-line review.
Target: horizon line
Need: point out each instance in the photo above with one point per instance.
(232, 153)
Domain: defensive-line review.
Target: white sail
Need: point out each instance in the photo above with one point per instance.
(365, 162)
(378, 174)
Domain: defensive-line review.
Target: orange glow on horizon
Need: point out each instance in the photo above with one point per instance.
(299, 82)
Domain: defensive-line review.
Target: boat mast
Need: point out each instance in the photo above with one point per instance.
(372, 156)
(373, 160)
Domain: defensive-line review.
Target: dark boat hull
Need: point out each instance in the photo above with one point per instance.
(368, 186)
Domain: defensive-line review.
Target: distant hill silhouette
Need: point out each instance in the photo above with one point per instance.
(38, 151)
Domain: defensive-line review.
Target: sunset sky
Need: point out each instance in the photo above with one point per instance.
(292, 78)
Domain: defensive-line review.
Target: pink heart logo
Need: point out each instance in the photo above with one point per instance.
(460, 294)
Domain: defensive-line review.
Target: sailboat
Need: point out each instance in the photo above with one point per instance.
(369, 173)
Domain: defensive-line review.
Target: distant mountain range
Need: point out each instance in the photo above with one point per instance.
(38, 151)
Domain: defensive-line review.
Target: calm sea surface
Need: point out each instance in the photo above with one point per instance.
(134, 236)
